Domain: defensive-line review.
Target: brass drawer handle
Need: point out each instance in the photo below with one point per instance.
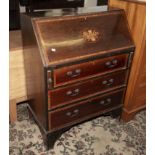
(108, 82)
(74, 92)
(105, 102)
(73, 113)
(111, 64)
(75, 73)
(49, 79)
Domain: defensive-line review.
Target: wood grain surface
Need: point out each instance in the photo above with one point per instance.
(136, 1)
(89, 69)
(87, 89)
(135, 96)
(17, 86)
(64, 39)
(15, 40)
(85, 109)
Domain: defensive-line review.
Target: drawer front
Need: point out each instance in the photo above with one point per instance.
(83, 110)
(76, 92)
(81, 71)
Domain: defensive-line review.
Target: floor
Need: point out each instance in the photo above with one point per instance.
(101, 136)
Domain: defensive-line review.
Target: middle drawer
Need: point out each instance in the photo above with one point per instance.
(66, 95)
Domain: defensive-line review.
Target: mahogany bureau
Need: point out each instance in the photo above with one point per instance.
(77, 66)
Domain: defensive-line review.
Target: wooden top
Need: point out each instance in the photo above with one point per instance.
(77, 36)
(15, 40)
(136, 1)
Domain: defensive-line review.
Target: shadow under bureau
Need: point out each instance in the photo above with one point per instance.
(77, 65)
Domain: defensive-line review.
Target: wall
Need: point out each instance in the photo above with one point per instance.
(89, 3)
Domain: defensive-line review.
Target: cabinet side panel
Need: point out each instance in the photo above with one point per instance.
(35, 71)
(135, 98)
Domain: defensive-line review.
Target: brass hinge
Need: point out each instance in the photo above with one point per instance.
(49, 79)
(130, 59)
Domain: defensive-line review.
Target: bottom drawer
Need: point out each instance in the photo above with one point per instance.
(84, 110)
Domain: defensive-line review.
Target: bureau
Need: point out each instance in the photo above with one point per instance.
(77, 65)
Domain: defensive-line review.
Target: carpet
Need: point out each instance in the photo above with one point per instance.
(100, 136)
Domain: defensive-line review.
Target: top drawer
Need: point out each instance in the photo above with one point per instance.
(69, 74)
